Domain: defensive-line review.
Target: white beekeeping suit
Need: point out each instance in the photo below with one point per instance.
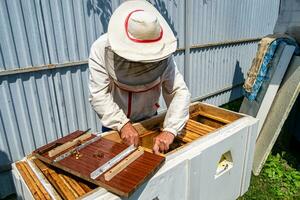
(130, 67)
(118, 102)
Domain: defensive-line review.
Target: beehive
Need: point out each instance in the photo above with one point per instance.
(213, 153)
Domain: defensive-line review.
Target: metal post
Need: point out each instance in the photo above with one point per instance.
(187, 41)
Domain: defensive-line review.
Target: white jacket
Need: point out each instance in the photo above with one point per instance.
(117, 105)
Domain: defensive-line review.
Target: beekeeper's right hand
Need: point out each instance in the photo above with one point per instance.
(129, 135)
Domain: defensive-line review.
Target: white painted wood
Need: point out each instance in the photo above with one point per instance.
(249, 157)
(99, 194)
(169, 183)
(226, 185)
(284, 101)
(195, 163)
(274, 85)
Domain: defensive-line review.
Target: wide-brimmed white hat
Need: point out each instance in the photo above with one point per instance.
(138, 32)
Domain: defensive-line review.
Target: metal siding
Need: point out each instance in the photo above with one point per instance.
(20, 41)
(36, 32)
(219, 67)
(34, 39)
(217, 20)
(224, 97)
(39, 107)
(60, 31)
(75, 112)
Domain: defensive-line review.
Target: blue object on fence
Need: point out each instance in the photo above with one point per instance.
(262, 75)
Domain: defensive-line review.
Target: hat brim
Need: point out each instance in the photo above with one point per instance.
(137, 51)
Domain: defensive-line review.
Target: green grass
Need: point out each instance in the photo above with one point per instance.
(280, 176)
(277, 180)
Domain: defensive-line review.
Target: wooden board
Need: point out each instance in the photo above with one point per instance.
(283, 103)
(252, 107)
(66, 185)
(95, 155)
(31, 180)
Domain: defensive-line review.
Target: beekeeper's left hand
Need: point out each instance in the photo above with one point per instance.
(162, 142)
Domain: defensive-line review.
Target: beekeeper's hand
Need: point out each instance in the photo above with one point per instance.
(162, 142)
(129, 135)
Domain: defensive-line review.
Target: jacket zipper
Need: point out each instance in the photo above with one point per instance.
(129, 104)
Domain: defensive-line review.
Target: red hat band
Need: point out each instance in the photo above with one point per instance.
(139, 40)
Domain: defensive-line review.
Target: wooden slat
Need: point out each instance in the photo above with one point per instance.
(147, 139)
(196, 130)
(78, 187)
(200, 125)
(85, 187)
(68, 186)
(189, 134)
(36, 188)
(184, 138)
(55, 180)
(151, 151)
(113, 136)
(222, 113)
(61, 186)
(69, 144)
(214, 117)
(47, 174)
(37, 182)
(144, 134)
(123, 164)
(55, 184)
(27, 180)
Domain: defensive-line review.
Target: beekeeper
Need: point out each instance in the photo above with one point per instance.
(129, 68)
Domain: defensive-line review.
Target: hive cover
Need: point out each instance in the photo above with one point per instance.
(95, 155)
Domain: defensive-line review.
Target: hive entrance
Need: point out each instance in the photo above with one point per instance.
(225, 164)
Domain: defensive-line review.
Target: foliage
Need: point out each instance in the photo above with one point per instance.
(277, 181)
(285, 178)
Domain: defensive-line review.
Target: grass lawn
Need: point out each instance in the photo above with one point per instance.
(280, 176)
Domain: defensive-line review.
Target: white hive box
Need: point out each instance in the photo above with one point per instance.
(215, 165)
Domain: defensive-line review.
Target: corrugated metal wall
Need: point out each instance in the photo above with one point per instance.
(44, 45)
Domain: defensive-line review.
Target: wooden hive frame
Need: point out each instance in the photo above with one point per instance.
(204, 119)
(66, 186)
